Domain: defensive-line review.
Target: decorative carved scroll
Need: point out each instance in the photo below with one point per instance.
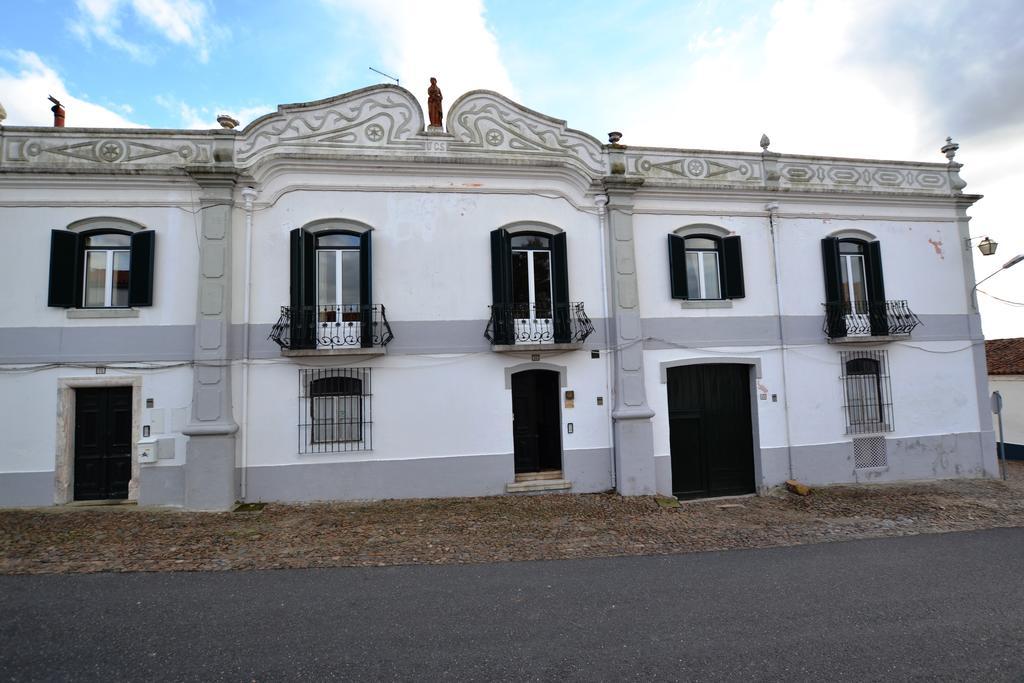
(485, 120)
(382, 115)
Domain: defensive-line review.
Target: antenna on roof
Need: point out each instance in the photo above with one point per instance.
(385, 75)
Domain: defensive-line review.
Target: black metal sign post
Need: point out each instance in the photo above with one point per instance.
(997, 408)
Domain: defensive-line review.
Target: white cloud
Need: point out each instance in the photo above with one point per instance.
(810, 81)
(418, 40)
(206, 117)
(183, 22)
(25, 90)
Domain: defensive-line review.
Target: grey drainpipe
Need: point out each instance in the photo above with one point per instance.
(601, 201)
(773, 214)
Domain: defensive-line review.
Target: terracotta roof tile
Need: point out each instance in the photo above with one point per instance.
(1005, 356)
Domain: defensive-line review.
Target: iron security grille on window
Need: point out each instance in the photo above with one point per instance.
(538, 324)
(869, 318)
(867, 390)
(335, 411)
(331, 327)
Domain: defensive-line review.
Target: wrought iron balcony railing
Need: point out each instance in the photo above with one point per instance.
(538, 324)
(869, 319)
(332, 327)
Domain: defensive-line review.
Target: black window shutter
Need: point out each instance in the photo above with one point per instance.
(501, 286)
(65, 280)
(366, 287)
(560, 289)
(835, 316)
(876, 291)
(303, 289)
(143, 260)
(677, 266)
(732, 277)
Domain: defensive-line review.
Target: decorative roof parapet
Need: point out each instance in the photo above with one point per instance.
(386, 121)
(482, 120)
(789, 172)
(363, 121)
(92, 148)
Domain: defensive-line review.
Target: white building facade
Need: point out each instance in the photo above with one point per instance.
(340, 303)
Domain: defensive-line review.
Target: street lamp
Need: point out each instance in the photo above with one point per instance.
(986, 246)
(1009, 264)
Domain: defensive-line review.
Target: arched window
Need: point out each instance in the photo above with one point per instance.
(331, 302)
(705, 266)
(530, 286)
(866, 381)
(531, 276)
(854, 287)
(106, 266)
(335, 410)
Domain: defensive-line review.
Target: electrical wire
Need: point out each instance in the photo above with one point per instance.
(1005, 301)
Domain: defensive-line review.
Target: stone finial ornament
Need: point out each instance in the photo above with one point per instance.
(765, 142)
(953, 167)
(3, 113)
(950, 148)
(226, 121)
(614, 137)
(434, 104)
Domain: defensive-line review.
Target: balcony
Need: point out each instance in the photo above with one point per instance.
(332, 330)
(868, 320)
(538, 327)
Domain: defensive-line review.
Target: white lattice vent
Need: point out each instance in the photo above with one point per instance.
(870, 452)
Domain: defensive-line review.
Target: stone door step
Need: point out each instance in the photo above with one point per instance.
(538, 485)
(534, 476)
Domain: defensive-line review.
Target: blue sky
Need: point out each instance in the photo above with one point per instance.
(872, 78)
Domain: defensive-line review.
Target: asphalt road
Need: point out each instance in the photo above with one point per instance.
(947, 606)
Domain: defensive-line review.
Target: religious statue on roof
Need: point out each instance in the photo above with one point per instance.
(434, 104)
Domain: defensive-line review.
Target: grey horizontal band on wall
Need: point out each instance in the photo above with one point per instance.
(96, 344)
(411, 337)
(140, 343)
(732, 330)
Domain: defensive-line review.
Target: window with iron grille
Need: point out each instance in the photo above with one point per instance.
(868, 393)
(335, 412)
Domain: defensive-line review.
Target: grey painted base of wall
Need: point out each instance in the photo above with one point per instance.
(473, 475)
(910, 458)
(26, 489)
(941, 456)
(210, 481)
(637, 476)
(162, 485)
(589, 471)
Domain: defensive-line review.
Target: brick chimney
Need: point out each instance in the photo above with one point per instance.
(58, 112)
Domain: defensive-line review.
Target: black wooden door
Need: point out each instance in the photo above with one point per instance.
(536, 423)
(103, 443)
(710, 433)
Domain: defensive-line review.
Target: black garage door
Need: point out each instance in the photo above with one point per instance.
(710, 430)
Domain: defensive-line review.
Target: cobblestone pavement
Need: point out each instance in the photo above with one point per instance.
(503, 528)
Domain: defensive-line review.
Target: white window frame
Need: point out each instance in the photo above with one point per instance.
(531, 283)
(108, 287)
(702, 292)
(353, 335)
